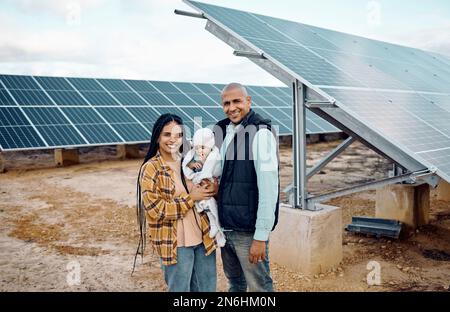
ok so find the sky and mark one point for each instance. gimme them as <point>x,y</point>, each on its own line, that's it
<point>144,39</point>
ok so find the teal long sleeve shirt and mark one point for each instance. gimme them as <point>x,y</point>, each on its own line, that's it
<point>264,149</point>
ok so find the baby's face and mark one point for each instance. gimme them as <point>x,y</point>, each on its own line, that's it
<point>202,151</point>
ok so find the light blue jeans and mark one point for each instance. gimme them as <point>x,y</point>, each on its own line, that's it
<point>194,271</point>
<point>238,270</point>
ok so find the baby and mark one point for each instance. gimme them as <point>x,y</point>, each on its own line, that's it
<point>203,162</point>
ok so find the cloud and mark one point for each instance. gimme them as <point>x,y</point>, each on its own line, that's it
<point>140,39</point>
<point>55,7</point>
<point>146,42</point>
<point>435,39</point>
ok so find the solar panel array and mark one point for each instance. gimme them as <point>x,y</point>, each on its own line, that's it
<point>399,92</point>
<point>50,112</point>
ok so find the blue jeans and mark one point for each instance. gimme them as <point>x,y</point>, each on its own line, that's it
<point>194,271</point>
<point>238,270</point>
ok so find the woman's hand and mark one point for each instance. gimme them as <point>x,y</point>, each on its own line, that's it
<point>199,192</point>
<point>212,186</point>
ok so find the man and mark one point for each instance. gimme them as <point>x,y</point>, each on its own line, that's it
<point>248,193</point>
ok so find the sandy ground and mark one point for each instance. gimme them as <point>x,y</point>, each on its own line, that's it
<point>55,219</point>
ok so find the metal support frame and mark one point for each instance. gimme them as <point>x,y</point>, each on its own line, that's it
<point>250,54</point>
<point>324,106</point>
<point>411,177</point>
<point>319,104</point>
<point>332,155</point>
<point>324,161</point>
<point>299,144</point>
<point>190,14</point>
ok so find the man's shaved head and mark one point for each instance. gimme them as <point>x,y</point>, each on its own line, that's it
<point>235,85</point>
<point>235,102</point>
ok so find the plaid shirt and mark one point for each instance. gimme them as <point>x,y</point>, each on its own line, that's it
<point>164,210</point>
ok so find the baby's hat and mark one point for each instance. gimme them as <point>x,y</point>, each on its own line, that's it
<point>204,136</point>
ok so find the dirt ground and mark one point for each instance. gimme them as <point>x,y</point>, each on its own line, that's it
<point>54,218</point>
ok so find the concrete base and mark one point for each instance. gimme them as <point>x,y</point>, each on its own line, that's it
<point>309,242</point>
<point>66,157</point>
<point>128,151</point>
<point>409,204</point>
<point>442,191</point>
<point>2,163</point>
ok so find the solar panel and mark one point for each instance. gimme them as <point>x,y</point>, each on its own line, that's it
<point>51,112</point>
<point>16,131</point>
<point>400,95</point>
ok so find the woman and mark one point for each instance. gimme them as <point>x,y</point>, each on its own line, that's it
<point>178,233</point>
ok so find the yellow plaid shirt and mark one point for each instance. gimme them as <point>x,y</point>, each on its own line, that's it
<point>164,210</point>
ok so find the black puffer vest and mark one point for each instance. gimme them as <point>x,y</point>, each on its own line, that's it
<point>238,189</point>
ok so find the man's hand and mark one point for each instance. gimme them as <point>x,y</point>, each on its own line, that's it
<point>257,252</point>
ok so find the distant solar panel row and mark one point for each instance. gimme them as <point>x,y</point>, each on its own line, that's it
<point>49,112</point>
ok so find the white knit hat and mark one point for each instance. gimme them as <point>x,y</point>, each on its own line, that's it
<point>205,137</point>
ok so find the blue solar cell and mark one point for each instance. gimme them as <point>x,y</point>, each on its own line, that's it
<point>60,135</point>
<point>129,98</point>
<point>5,98</point>
<point>108,111</point>
<point>155,99</point>
<point>19,82</point>
<point>164,87</point>
<point>202,100</point>
<point>141,85</point>
<point>54,83</point>
<point>70,98</point>
<point>114,85</point>
<point>132,132</point>
<point>180,99</point>
<point>217,112</point>
<point>99,98</point>
<point>12,116</point>
<point>45,116</point>
<point>82,115</point>
<point>298,32</point>
<point>19,137</point>
<point>144,114</point>
<point>186,87</point>
<point>85,84</point>
<point>31,97</point>
<point>208,88</point>
<point>276,91</point>
<point>115,115</point>
<point>99,134</point>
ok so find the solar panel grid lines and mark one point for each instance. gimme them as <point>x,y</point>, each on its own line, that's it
<point>398,93</point>
<point>72,114</point>
<point>314,122</point>
<point>260,48</point>
<point>98,133</point>
<point>16,137</point>
<point>190,121</point>
<point>137,93</point>
<point>367,76</point>
<point>204,113</point>
<point>131,131</point>
<point>405,129</point>
<point>71,135</point>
